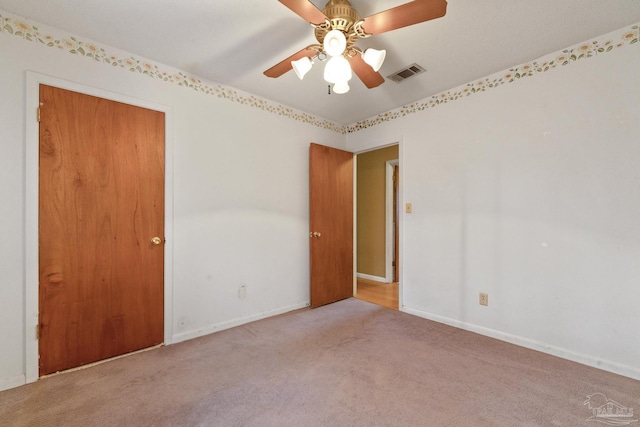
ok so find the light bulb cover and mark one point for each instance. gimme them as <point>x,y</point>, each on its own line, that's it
<point>374,58</point>
<point>334,43</point>
<point>341,87</point>
<point>301,66</point>
<point>337,70</point>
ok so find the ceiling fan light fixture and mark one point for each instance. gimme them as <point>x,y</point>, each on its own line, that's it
<point>341,87</point>
<point>337,70</point>
<point>374,58</point>
<point>334,43</point>
<point>301,66</point>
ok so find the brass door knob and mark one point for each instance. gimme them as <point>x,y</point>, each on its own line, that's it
<point>156,240</point>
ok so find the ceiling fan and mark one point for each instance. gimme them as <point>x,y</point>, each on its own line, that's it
<point>337,28</point>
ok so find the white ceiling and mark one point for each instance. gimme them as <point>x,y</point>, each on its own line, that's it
<point>233,42</point>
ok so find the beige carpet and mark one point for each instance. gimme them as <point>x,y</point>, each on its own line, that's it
<point>351,363</point>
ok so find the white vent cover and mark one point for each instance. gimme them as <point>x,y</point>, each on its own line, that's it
<point>407,72</point>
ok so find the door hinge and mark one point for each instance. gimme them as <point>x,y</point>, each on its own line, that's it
<point>38,331</point>
<point>38,114</point>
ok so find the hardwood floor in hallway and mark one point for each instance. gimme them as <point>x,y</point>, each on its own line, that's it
<point>384,294</point>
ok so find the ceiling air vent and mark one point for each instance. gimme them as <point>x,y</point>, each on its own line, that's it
<point>405,73</point>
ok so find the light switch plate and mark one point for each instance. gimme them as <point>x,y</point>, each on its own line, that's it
<point>408,208</point>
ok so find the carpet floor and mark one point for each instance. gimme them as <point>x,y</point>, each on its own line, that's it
<point>351,363</point>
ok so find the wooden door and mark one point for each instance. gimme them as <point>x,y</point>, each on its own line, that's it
<point>101,178</point>
<point>331,224</point>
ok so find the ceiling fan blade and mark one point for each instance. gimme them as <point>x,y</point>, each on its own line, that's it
<point>411,13</point>
<point>283,66</point>
<point>306,10</point>
<point>364,71</point>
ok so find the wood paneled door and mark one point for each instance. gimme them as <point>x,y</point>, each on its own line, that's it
<point>101,204</point>
<point>331,224</point>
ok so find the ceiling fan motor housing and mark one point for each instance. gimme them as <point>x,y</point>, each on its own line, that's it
<point>342,17</point>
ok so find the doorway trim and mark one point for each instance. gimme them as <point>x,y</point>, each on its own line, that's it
<point>376,146</point>
<point>33,81</point>
<point>389,229</point>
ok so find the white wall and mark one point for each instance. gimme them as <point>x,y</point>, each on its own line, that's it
<point>530,192</point>
<point>240,198</point>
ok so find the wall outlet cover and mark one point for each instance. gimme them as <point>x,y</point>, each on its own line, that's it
<point>484,299</point>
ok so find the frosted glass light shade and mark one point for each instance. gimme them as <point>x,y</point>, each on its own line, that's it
<point>337,70</point>
<point>301,66</point>
<point>341,87</point>
<point>334,43</point>
<point>374,57</point>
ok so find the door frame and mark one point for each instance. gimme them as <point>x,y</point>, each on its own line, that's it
<point>389,229</point>
<point>33,81</point>
<point>377,146</point>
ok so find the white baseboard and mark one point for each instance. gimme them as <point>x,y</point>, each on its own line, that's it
<point>184,336</point>
<point>12,382</point>
<point>370,277</point>
<point>605,365</point>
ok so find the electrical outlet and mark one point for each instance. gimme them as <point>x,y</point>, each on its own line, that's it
<point>484,299</point>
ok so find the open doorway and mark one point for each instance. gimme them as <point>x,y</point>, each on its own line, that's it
<point>377,268</point>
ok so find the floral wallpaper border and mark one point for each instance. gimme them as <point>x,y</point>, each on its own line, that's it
<point>28,31</point>
<point>31,32</point>
<point>546,63</point>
